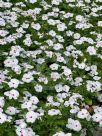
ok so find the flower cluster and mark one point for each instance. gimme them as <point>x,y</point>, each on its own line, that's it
<point>50,67</point>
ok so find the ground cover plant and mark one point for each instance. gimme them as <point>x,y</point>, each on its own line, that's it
<point>50,67</point>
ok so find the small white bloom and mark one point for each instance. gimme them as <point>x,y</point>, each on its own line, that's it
<point>3,118</point>
<point>14,93</point>
<point>13,83</point>
<point>36,26</point>
<point>74,125</point>
<point>53,112</point>
<point>62,134</point>
<point>2,77</point>
<point>31,116</point>
<point>58,88</point>
<point>58,46</point>
<point>99,23</point>
<point>15,50</point>
<point>3,33</point>
<point>79,18</point>
<point>34,99</point>
<point>10,62</point>
<point>66,88</point>
<point>52,33</point>
<point>54,66</point>
<point>51,22</point>
<point>87,1</point>
<point>83,114</point>
<point>67,71</point>
<point>32,1</point>
<point>91,50</point>
<point>2,102</point>
<point>97,117</point>
<point>81,66</point>
<point>55,76</point>
<point>76,36</point>
<point>61,27</point>
<point>100,97</point>
<point>56,2</point>
<point>93,86</point>
<point>38,88</point>
<point>11,110</point>
<point>27,77</point>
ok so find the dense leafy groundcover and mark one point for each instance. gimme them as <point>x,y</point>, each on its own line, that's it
<point>50,67</point>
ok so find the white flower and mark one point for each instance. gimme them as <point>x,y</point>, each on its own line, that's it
<point>78,81</point>
<point>11,62</point>
<point>60,38</point>
<point>58,88</point>
<point>99,23</point>
<point>21,131</point>
<point>11,110</point>
<point>27,41</point>
<point>51,22</point>
<point>15,50</point>
<point>56,2</point>
<point>12,94</point>
<point>3,118</point>
<point>50,99</point>
<point>55,76</point>
<point>52,33</point>
<point>36,26</point>
<point>54,66</point>
<point>13,83</point>
<point>83,114</point>
<point>79,18</point>
<point>34,99</point>
<point>44,17</point>
<point>67,71</point>
<point>2,102</point>
<point>3,33</point>
<point>100,97</point>
<point>91,50</point>
<point>61,27</point>
<point>43,79</point>
<point>26,105</point>
<point>31,116</point>
<point>53,112</point>
<point>49,54</point>
<point>93,86</point>
<point>23,125</point>
<point>40,60</point>
<point>32,1</point>
<point>38,88</point>
<point>87,1</point>
<point>30,132</point>
<point>70,0</point>
<point>78,42</point>
<point>74,125</point>
<point>75,109</point>
<point>58,46</point>
<point>62,134</point>
<point>2,22</point>
<point>60,59</point>
<point>97,109</point>
<point>2,77</point>
<point>81,66</point>
<point>97,117</point>
<point>16,69</point>
<point>27,77</point>
<point>76,36</point>
<point>66,88</point>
